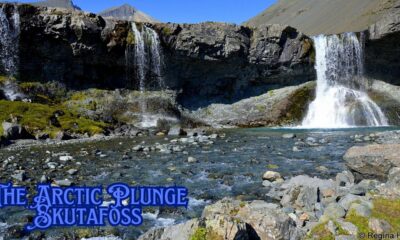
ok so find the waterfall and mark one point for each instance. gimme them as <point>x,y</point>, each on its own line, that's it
<point>340,100</point>
<point>9,51</point>
<point>148,65</point>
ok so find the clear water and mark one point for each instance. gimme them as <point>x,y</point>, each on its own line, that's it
<point>233,166</point>
<point>340,100</point>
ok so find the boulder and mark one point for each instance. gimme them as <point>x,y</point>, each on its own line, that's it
<point>14,131</point>
<point>181,231</point>
<point>372,161</point>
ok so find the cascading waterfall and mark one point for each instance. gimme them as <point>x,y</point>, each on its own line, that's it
<point>9,39</point>
<point>148,62</point>
<point>340,100</point>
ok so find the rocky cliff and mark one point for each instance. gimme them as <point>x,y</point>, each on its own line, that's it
<point>208,62</point>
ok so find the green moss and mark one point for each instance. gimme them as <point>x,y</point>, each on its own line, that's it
<point>388,210</point>
<point>321,232</point>
<point>199,234</point>
<point>166,31</point>
<point>298,104</point>
<point>260,108</point>
<point>203,233</point>
<point>130,39</point>
<point>36,118</point>
<point>46,93</point>
<point>360,222</point>
<point>385,209</point>
<point>3,79</point>
<point>272,166</point>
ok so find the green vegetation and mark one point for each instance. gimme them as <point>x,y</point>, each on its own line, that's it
<point>199,234</point>
<point>203,233</point>
<point>299,101</point>
<point>37,117</point>
<point>166,31</point>
<point>384,209</point>
<point>130,39</point>
<point>321,232</point>
<point>272,166</point>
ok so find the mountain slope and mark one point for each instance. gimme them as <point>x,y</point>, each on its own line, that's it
<point>127,12</point>
<point>67,4</point>
<point>324,16</point>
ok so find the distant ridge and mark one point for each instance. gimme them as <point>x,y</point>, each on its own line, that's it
<point>67,4</point>
<point>128,13</point>
<point>324,16</point>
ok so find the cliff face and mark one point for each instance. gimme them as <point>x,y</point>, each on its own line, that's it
<point>208,62</point>
<point>383,47</point>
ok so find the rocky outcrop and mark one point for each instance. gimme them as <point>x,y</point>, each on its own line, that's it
<point>67,4</point>
<point>283,106</point>
<point>223,63</point>
<point>387,96</point>
<point>206,63</point>
<point>382,49</point>
<point>373,161</point>
<point>233,219</point>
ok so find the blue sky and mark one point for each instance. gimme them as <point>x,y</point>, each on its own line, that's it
<point>189,11</point>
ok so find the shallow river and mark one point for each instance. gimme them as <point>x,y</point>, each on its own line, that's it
<point>232,166</point>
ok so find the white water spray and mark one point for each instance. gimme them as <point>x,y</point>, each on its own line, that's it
<point>9,51</point>
<point>340,100</point>
<point>148,63</point>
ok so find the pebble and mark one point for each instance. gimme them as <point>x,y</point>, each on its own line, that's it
<point>192,160</point>
<point>66,158</point>
<point>72,171</point>
<point>63,183</point>
<point>289,135</point>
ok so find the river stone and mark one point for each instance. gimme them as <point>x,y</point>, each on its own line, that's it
<point>176,131</point>
<point>347,226</point>
<point>379,226</point>
<point>271,176</point>
<point>289,135</point>
<point>192,160</point>
<point>347,200</point>
<point>19,175</point>
<point>63,183</point>
<point>229,218</point>
<point>333,211</point>
<point>181,231</point>
<point>361,209</point>
<point>373,161</point>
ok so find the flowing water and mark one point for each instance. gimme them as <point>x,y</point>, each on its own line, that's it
<point>231,167</point>
<point>9,51</point>
<point>148,63</point>
<point>340,100</point>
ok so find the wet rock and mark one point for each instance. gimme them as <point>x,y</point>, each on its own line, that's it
<point>271,176</point>
<point>72,171</point>
<point>289,135</point>
<point>373,161</point>
<point>19,175</point>
<point>66,158</point>
<point>379,226</point>
<point>63,183</point>
<point>192,160</point>
<point>13,131</point>
<point>176,131</point>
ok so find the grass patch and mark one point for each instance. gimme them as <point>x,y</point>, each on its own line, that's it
<point>203,233</point>
<point>384,209</point>
<point>321,232</point>
<point>37,117</point>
